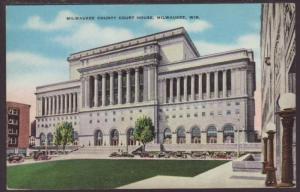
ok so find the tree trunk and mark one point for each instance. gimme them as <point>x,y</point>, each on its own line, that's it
<point>144,147</point>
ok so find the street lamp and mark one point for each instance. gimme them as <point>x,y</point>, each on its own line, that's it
<point>265,151</point>
<point>270,169</point>
<point>287,104</point>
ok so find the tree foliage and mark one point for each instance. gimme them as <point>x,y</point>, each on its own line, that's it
<point>144,130</point>
<point>63,134</point>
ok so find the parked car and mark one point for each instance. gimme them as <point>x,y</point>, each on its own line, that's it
<point>16,158</point>
<point>41,156</point>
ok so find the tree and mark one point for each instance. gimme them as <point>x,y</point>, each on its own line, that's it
<point>64,134</point>
<point>144,130</point>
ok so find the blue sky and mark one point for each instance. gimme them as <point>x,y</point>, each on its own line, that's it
<point>39,38</point>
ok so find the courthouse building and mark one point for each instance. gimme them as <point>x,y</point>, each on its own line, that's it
<point>278,50</point>
<point>190,98</point>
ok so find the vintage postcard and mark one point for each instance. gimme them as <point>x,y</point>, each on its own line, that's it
<point>150,96</point>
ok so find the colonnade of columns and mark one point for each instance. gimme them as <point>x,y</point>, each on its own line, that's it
<point>58,104</point>
<point>118,87</point>
<point>208,85</point>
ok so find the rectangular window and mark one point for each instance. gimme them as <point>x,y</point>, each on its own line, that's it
<point>203,114</point>
<point>228,112</point>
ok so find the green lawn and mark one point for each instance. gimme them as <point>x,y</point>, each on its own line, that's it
<point>97,174</point>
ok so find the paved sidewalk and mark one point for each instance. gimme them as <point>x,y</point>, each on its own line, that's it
<point>219,177</point>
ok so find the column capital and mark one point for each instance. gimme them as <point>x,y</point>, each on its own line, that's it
<point>128,70</point>
<point>120,72</point>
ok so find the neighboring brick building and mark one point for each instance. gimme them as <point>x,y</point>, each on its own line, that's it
<point>17,127</point>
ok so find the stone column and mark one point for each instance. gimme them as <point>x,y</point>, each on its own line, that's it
<point>57,104</point>
<point>96,91</point>
<point>171,90</point>
<point>224,83</point>
<point>185,88</point>
<point>216,85</point>
<point>111,88</point>
<point>233,82</point>
<point>149,83</point>
<point>51,105</point>
<point>128,86</point>
<point>87,92</point>
<point>193,87</point>
<point>66,106</point>
<point>136,96</point>
<point>243,83</point>
<point>77,102</point>
<point>155,82</point>
<point>208,85</point>
<point>83,92</point>
<point>70,102</point>
<point>74,102</point>
<point>103,76</point>
<point>164,90</point>
<point>119,87</point>
<point>178,89</point>
<point>60,104</point>
<point>200,86</point>
<point>46,105</point>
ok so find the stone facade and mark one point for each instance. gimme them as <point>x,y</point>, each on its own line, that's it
<point>17,126</point>
<point>190,98</point>
<point>278,49</point>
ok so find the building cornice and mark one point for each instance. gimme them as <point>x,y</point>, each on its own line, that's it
<point>133,42</point>
<point>155,56</point>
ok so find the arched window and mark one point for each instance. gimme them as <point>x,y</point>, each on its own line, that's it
<point>114,137</point>
<point>130,137</point>
<point>49,139</point>
<point>195,135</point>
<point>180,136</point>
<point>211,134</point>
<point>228,134</point>
<point>167,136</point>
<point>42,139</point>
<point>98,138</point>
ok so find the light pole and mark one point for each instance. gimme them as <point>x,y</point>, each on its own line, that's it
<point>287,113</point>
<point>265,151</point>
<point>270,169</point>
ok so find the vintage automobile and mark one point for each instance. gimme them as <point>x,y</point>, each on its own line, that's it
<point>15,158</point>
<point>40,156</point>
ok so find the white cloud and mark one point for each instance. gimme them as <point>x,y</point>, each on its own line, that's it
<point>248,41</point>
<point>60,22</point>
<point>91,35</point>
<point>190,25</point>
<point>30,59</point>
